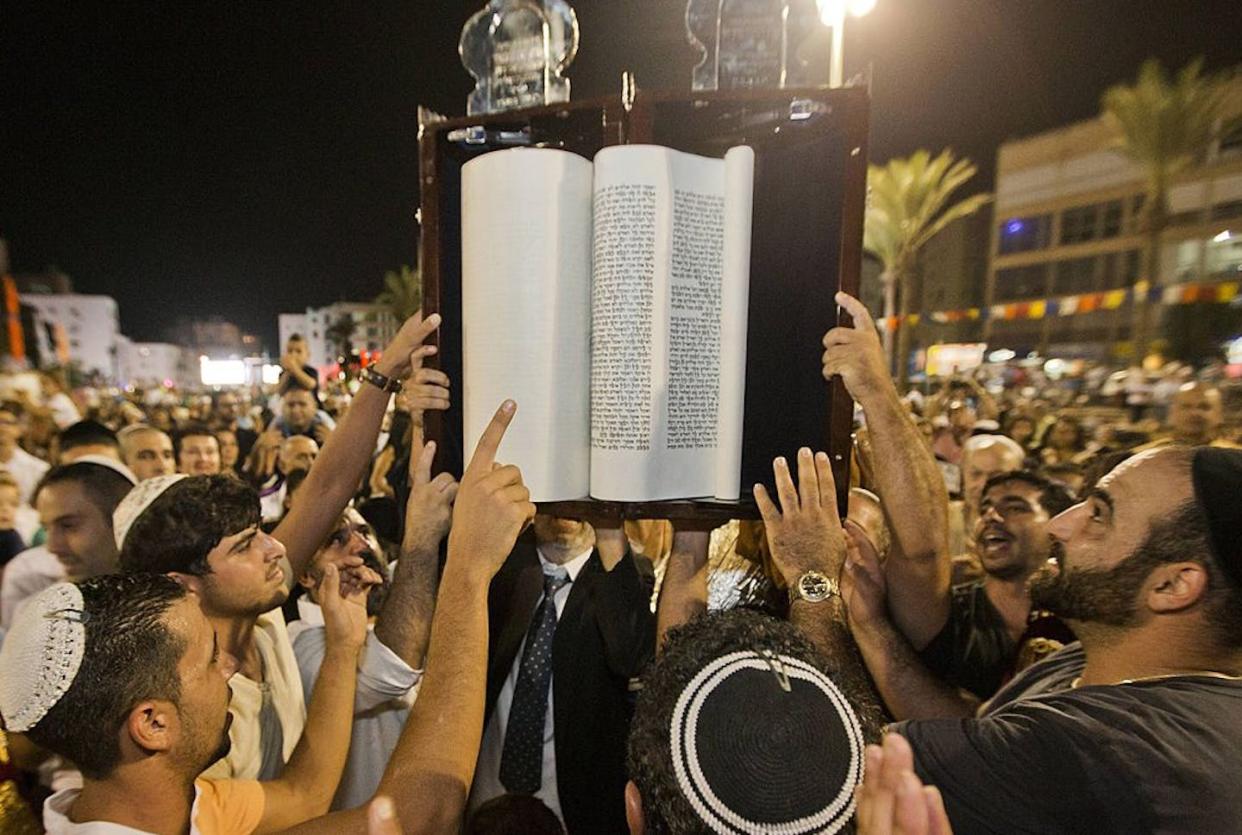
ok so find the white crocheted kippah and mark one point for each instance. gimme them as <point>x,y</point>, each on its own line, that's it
<point>41,655</point>
<point>138,500</point>
<point>111,463</point>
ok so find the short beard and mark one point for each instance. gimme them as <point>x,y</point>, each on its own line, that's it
<point>1107,596</point>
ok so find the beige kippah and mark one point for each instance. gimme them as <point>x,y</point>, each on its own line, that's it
<point>41,655</point>
<point>138,500</point>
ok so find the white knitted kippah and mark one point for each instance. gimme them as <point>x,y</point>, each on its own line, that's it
<point>41,655</point>
<point>138,500</point>
<point>111,463</point>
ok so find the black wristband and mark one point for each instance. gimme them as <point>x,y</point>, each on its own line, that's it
<point>388,384</point>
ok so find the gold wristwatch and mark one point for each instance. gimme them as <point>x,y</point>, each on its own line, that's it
<point>813,587</point>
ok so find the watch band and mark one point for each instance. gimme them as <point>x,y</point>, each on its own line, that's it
<point>380,381</point>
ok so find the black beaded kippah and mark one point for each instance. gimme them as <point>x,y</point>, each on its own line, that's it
<point>1217,475</point>
<point>766,743</point>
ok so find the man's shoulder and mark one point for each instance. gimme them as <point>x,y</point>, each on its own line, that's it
<point>227,807</point>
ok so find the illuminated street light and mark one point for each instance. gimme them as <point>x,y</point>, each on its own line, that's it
<point>832,13</point>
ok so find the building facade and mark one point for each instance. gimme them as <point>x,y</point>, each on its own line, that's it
<point>79,329</point>
<point>151,364</point>
<point>340,330</point>
<point>1067,228</point>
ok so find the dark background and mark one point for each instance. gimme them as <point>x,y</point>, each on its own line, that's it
<point>248,158</point>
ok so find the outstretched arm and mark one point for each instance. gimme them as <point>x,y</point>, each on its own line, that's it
<point>428,777</point>
<point>308,782</point>
<point>404,625</point>
<point>915,501</point>
<point>683,594</point>
<point>339,469</point>
<point>805,534</point>
<point>909,689</point>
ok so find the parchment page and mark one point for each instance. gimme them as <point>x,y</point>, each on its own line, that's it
<point>734,308</point>
<point>526,316</point>
<point>656,318</point>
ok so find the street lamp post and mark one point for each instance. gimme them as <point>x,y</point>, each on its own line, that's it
<point>832,14</point>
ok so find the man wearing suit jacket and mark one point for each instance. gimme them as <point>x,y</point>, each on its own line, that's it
<point>570,626</point>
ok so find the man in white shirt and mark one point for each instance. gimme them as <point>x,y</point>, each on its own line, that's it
<point>25,468</point>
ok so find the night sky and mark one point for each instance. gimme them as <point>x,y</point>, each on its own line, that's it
<point>248,158</point>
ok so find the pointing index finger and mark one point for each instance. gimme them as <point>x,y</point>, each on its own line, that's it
<point>857,310</point>
<point>489,442</point>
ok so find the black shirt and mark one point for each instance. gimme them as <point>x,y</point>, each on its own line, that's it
<point>974,650</point>
<point>1162,755</point>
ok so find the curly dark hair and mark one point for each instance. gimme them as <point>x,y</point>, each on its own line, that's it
<point>688,650</point>
<point>179,529</point>
<point>130,655</point>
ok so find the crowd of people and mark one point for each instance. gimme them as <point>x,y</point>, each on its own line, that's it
<point>263,610</point>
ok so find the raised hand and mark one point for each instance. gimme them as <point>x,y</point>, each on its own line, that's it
<point>492,506</point>
<point>891,798</point>
<point>345,606</point>
<point>862,584</point>
<point>855,354</point>
<point>804,531</point>
<point>395,361</point>
<point>429,509</point>
<point>426,388</point>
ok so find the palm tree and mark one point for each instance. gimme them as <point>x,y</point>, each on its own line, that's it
<point>907,204</point>
<point>1164,125</point>
<point>403,292</point>
<point>340,334</point>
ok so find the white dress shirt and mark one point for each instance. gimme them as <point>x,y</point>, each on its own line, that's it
<point>487,783</point>
<point>387,687</point>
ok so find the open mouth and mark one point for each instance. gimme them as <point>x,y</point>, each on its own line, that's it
<point>995,538</point>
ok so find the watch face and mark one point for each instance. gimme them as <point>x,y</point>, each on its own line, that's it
<point>814,586</point>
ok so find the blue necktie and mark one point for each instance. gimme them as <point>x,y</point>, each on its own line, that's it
<point>521,758</point>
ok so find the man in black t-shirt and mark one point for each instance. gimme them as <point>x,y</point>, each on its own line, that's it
<point>1137,729</point>
<point>977,649</point>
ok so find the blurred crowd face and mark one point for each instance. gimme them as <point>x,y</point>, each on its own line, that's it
<point>1022,430</point>
<point>1011,533</point>
<point>199,455</point>
<point>149,453</point>
<point>352,538</point>
<point>227,408</point>
<point>961,417</point>
<point>229,450</point>
<point>298,452</point>
<point>298,408</point>
<point>1063,435</point>
<point>10,500</point>
<point>979,463</point>
<point>78,533</point>
<point>10,429</point>
<point>1195,415</point>
<point>297,351</point>
<point>556,530</point>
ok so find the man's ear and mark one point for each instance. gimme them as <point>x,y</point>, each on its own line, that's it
<point>153,726</point>
<point>190,582</point>
<point>634,809</point>
<point>1176,586</point>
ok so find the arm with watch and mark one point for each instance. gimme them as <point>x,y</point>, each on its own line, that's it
<point>341,464</point>
<point>808,548</point>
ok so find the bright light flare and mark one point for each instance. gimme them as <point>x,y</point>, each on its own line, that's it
<point>831,11</point>
<point>222,372</point>
<point>1222,237</point>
